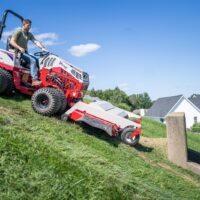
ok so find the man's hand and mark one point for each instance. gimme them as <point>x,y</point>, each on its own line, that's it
<point>22,50</point>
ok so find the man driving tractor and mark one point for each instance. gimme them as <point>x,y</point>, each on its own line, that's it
<point>19,41</point>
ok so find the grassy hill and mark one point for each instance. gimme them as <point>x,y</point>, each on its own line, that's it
<point>45,158</point>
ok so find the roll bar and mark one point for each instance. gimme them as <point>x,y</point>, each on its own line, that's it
<point>3,21</point>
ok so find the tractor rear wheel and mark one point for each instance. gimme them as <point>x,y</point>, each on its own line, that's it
<point>10,84</point>
<point>3,83</point>
<point>127,139</point>
<point>6,82</point>
<point>46,101</point>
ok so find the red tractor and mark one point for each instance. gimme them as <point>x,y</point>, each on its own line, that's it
<point>62,84</point>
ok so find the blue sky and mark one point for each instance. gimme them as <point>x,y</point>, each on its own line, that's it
<point>139,45</point>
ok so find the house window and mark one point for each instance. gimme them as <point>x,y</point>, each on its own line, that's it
<point>195,119</point>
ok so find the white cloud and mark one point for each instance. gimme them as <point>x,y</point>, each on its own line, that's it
<point>46,36</point>
<point>47,39</point>
<point>83,49</point>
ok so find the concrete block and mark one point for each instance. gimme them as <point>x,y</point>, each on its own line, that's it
<point>176,139</point>
<point>194,167</point>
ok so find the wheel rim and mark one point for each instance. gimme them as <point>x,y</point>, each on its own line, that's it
<point>43,101</point>
<point>129,139</point>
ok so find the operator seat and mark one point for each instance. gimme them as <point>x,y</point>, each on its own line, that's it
<point>9,47</point>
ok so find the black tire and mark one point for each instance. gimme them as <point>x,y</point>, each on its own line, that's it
<point>63,102</point>
<point>46,101</point>
<point>3,82</point>
<point>9,83</point>
<point>125,136</point>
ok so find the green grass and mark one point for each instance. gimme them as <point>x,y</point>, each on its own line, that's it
<point>153,129</point>
<point>44,158</point>
<point>193,140</point>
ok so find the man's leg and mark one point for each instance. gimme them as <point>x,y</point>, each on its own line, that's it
<point>33,68</point>
<point>33,65</point>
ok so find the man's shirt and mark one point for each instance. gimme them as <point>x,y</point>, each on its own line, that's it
<point>22,37</point>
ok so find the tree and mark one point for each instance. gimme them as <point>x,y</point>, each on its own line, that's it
<point>140,101</point>
<point>115,96</point>
<point>92,92</point>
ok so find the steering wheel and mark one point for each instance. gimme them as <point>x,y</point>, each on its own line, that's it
<point>41,53</point>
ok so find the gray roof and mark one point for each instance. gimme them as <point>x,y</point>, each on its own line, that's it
<point>162,106</point>
<point>195,99</point>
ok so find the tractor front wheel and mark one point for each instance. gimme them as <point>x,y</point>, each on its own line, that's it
<point>63,102</point>
<point>46,101</point>
<point>127,139</point>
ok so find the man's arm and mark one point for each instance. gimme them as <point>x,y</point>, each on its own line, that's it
<point>39,44</point>
<point>15,45</point>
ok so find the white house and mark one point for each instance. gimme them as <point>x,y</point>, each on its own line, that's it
<point>163,106</point>
<point>140,111</point>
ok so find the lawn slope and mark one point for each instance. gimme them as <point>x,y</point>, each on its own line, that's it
<point>45,158</point>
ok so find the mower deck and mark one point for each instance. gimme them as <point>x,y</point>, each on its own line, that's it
<point>99,118</point>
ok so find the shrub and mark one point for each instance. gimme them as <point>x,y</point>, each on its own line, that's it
<point>196,127</point>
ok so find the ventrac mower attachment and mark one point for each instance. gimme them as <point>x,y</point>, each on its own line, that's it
<point>111,124</point>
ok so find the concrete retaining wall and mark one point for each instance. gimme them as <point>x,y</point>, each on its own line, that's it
<point>177,142</point>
